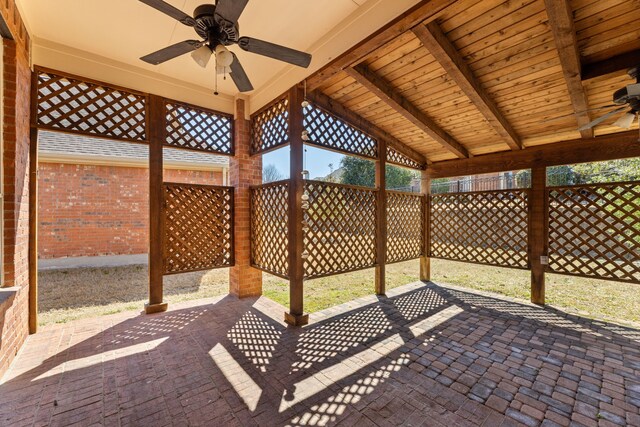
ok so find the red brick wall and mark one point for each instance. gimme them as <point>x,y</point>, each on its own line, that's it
<point>14,311</point>
<point>88,210</point>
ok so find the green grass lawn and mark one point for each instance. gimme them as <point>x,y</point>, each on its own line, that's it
<point>72,294</point>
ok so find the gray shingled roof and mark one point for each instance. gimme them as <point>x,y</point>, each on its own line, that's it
<point>61,143</point>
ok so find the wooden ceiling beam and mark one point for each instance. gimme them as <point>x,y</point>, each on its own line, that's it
<point>436,42</point>
<point>323,101</point>
<point>618,64</point>
<point>607,147</point>
<point>564,33</point>
<point>393,99</point>
<point>424,11</point>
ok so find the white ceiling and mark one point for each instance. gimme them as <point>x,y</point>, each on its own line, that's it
<point>112,35</point>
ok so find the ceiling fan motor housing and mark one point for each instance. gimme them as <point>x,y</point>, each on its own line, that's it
<point>215,32</point>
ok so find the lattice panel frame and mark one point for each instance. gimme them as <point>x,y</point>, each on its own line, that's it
<point>270,228</point>
<point>405,226</point>
<point>594,230</point>
<point>198,227</point>
<point>77,105</point>
<point>195,128</point>
<point>270,127</point>
<point>328,131</point>
<point>397,158</point>
<point>485,227</point>
<point>340,229</point>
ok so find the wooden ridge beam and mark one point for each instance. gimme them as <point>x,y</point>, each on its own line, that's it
<point>424,11</point>
<point>564,33</point>
<point>393,99</point>
<point>618,64</point>
<point>436,42</point>
<point>349,116</point>
<point>607,147</point>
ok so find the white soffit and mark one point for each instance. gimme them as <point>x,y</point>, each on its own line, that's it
<point>104,41</point>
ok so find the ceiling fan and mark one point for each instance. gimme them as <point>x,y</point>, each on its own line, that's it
<point>626,98</point>
<point>217,26</point>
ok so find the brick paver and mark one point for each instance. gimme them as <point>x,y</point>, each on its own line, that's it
<point>425,355</point>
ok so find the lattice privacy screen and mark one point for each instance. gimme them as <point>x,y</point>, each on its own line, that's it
<point>484,227</point>
<point>270,228</point>
<point>405,226</point>
<point>398,158</point>
<point>341,229</point>
<point>90,108</point>
<point>198,129</point>
<point>326,130</point>
<point>270,127</point>
<point>594,230</point>
<point>198,227</point>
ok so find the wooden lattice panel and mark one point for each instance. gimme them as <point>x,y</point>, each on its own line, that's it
<point>489,227</point>
<point>405,226</point>
<point>72,105</point>
<point>270,228</point>
<point>198,129</point>
<point>270,127</point>
<point>340,226</point>
<point>326,130</point>
<point>198,227</point>
<point>398,158</point>
<point>594,230</point>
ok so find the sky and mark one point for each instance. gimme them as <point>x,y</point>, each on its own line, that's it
<point>316,162</point>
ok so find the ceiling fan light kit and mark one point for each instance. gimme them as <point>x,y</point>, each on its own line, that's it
<point>217,25</point>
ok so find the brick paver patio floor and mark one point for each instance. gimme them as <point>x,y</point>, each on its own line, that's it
<point>425,355</point>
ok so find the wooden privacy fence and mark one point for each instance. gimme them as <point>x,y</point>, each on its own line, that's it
<point>405,226</point>
<point>198,225</point>
<point>270,228</point>
<point>594,230</point>
<point>487,227</point>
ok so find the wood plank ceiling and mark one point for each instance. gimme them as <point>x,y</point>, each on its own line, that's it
<point>485,76</point>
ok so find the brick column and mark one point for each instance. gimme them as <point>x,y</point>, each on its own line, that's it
<point>244,171</point>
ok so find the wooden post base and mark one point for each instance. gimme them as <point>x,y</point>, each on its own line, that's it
<point>296,319</point>
<point>155,308</point>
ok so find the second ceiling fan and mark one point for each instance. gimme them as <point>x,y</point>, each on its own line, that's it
<point>217,25</point>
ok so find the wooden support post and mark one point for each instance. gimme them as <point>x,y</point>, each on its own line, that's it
<point>381,218</point>
<point>425,261</point>
<point>537,233</point>
<point>155,132</point>
<point>33,231</point>
<point>296,315</point>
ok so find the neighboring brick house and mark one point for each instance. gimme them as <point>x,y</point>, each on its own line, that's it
<point>93,193</point>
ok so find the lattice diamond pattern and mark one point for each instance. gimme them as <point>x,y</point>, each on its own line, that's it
<point>270,228</point>
<point>594,230</point>
<point>198,224</point>
<point>398,158</point>
<point>405,226</point>
<point>72,105</point>
<point>270,127</point>
<point>329,131</point>
<point>484,227</point>
<point>341,229</point>
<point>198,129</point>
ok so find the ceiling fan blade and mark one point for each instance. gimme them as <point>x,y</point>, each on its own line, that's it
<point>553,119</point>
<point>173,12</point>
<point>172,51</point>
<point>239,76</point>
<point>601,119</point>
<point>292,56</point>
<point>230,10</point>
<point>626,120</point>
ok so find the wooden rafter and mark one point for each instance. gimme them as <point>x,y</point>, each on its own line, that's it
<point>356,120</point>
<point>391,97</point>
<point>424,11</point>
<point>436,42</point>
<point>617,64</point>
<point>563,28</point>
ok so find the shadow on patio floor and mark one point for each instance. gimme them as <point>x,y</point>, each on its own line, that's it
<point>427,355</point>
